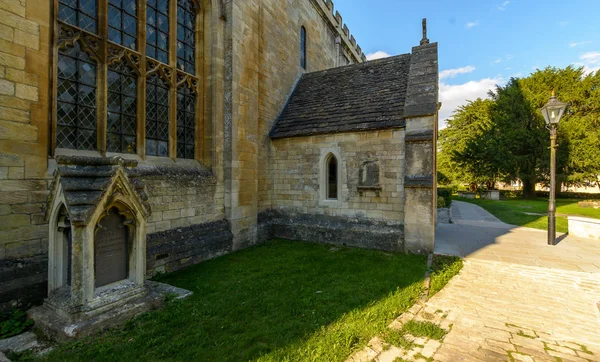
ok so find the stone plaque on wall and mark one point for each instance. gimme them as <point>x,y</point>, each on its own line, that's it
<point>369,174</point>
<point>110,250</point>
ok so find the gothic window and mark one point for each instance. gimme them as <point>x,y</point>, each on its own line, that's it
<point>157,30</point>
<point>122,22</point>
<point>332,178</point>
<point>186,112</point>
<point>303,47</point>
<point>76,100</point>
<point>122,109</point>
<point>186,36</point>
<point>122,90</point>
<point>157,117</point>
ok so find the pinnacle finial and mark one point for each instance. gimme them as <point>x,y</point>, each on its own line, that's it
<point>424,41</point>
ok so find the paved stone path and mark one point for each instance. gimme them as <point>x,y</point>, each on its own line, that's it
<point>516,299</point>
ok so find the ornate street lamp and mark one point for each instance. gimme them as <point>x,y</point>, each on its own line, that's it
<point>552,112</point>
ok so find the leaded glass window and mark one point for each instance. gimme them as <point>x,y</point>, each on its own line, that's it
<point>122,22</point>
<point>303,47</point>
<point>122,109</point>
<point>186,36</point>
<point>157,30</point>
<point>157,117</point>
<point>76,103</point>
<point>80,13</point>
<point>186,115</point>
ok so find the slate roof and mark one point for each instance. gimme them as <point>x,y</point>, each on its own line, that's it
<point>85,180</point>
<point>365,96</point>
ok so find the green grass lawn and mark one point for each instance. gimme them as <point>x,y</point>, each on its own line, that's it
<point>512,211</point>
<point>281,301</point>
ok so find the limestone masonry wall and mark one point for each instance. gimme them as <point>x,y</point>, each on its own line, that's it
<point>265,66</point>
<point>298,182</point>
<point>24,59</point>
<point>297,167</point>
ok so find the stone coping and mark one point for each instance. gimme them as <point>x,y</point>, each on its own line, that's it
<point>584,219</point>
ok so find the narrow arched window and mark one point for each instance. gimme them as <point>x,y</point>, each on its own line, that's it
<point>303,47</point>
<point>332,178</point>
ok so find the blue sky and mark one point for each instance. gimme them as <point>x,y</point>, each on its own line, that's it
<point>481,42</point>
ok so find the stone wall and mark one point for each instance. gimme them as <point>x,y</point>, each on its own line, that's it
<point>265,66</point>
<point>24,57</point>
<point>297,181</point>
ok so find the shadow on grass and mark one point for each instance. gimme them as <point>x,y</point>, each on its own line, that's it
<point>280,300</point>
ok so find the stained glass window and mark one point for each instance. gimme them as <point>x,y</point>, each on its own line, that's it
<point>303,47</point>
<point>122,22</point>
<point>157,117</point>
<point>80,13</point>
<point>76,103</point>
<point>157,30</point>
<point>122,109</point>
<point>186,114</point>
<point>186,36</point>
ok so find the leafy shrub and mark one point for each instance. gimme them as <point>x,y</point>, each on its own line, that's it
<point>441,202</point>
<point>446,194</point>
<point>13,323</point>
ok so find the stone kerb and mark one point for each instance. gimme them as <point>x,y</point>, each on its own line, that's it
<point>584,227</point>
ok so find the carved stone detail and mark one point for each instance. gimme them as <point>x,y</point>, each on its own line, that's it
<point>187,80</point>
<point>162,70</point>
<point>68,35</point>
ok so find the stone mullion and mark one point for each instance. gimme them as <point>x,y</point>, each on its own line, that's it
<point>54,81</point>
<point>198,72</point>
<point>141,83</point>
<point>173,89</point>
<point>102,71</point>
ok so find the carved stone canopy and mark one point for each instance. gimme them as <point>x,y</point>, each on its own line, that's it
<point>86,182</point>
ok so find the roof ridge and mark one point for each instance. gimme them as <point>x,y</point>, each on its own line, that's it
<point>363,64</point>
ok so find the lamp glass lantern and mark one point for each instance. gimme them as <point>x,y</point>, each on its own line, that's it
<point>553,111</point>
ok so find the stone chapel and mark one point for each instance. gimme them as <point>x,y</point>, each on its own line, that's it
<point>142,136</point>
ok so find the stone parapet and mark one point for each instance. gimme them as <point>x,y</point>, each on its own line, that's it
<point>334,19</point>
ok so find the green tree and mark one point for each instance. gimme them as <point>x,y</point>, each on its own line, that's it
<point>467,150</point>
<point>579,130</point>
<point>519,131</point>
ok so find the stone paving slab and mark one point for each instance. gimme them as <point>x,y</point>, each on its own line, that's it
<point>475,233</point>
<point>512,312</point>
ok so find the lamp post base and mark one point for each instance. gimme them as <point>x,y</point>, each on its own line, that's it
<point>551,229</point>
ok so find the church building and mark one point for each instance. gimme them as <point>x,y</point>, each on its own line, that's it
<point>140,137</point>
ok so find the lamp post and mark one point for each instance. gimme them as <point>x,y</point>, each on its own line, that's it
<point>552,112</point>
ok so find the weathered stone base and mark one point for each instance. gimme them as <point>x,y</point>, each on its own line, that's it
<point>23,281</point>
<point>362,233</point>
<point>61,328</point>
<point>175,249</point>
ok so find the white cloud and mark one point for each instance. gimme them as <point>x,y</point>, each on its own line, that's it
<point>590,62</point>
<point>454,96</point>
<point>471,24</point>
<point>574,44</point>
<point>451,73</point>
<point>563,24</point>
<point>378,55</point>
<point>503,6</point>
<point>497,61</point>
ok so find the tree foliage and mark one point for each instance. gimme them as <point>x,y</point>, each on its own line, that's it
<point>505,138</point>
